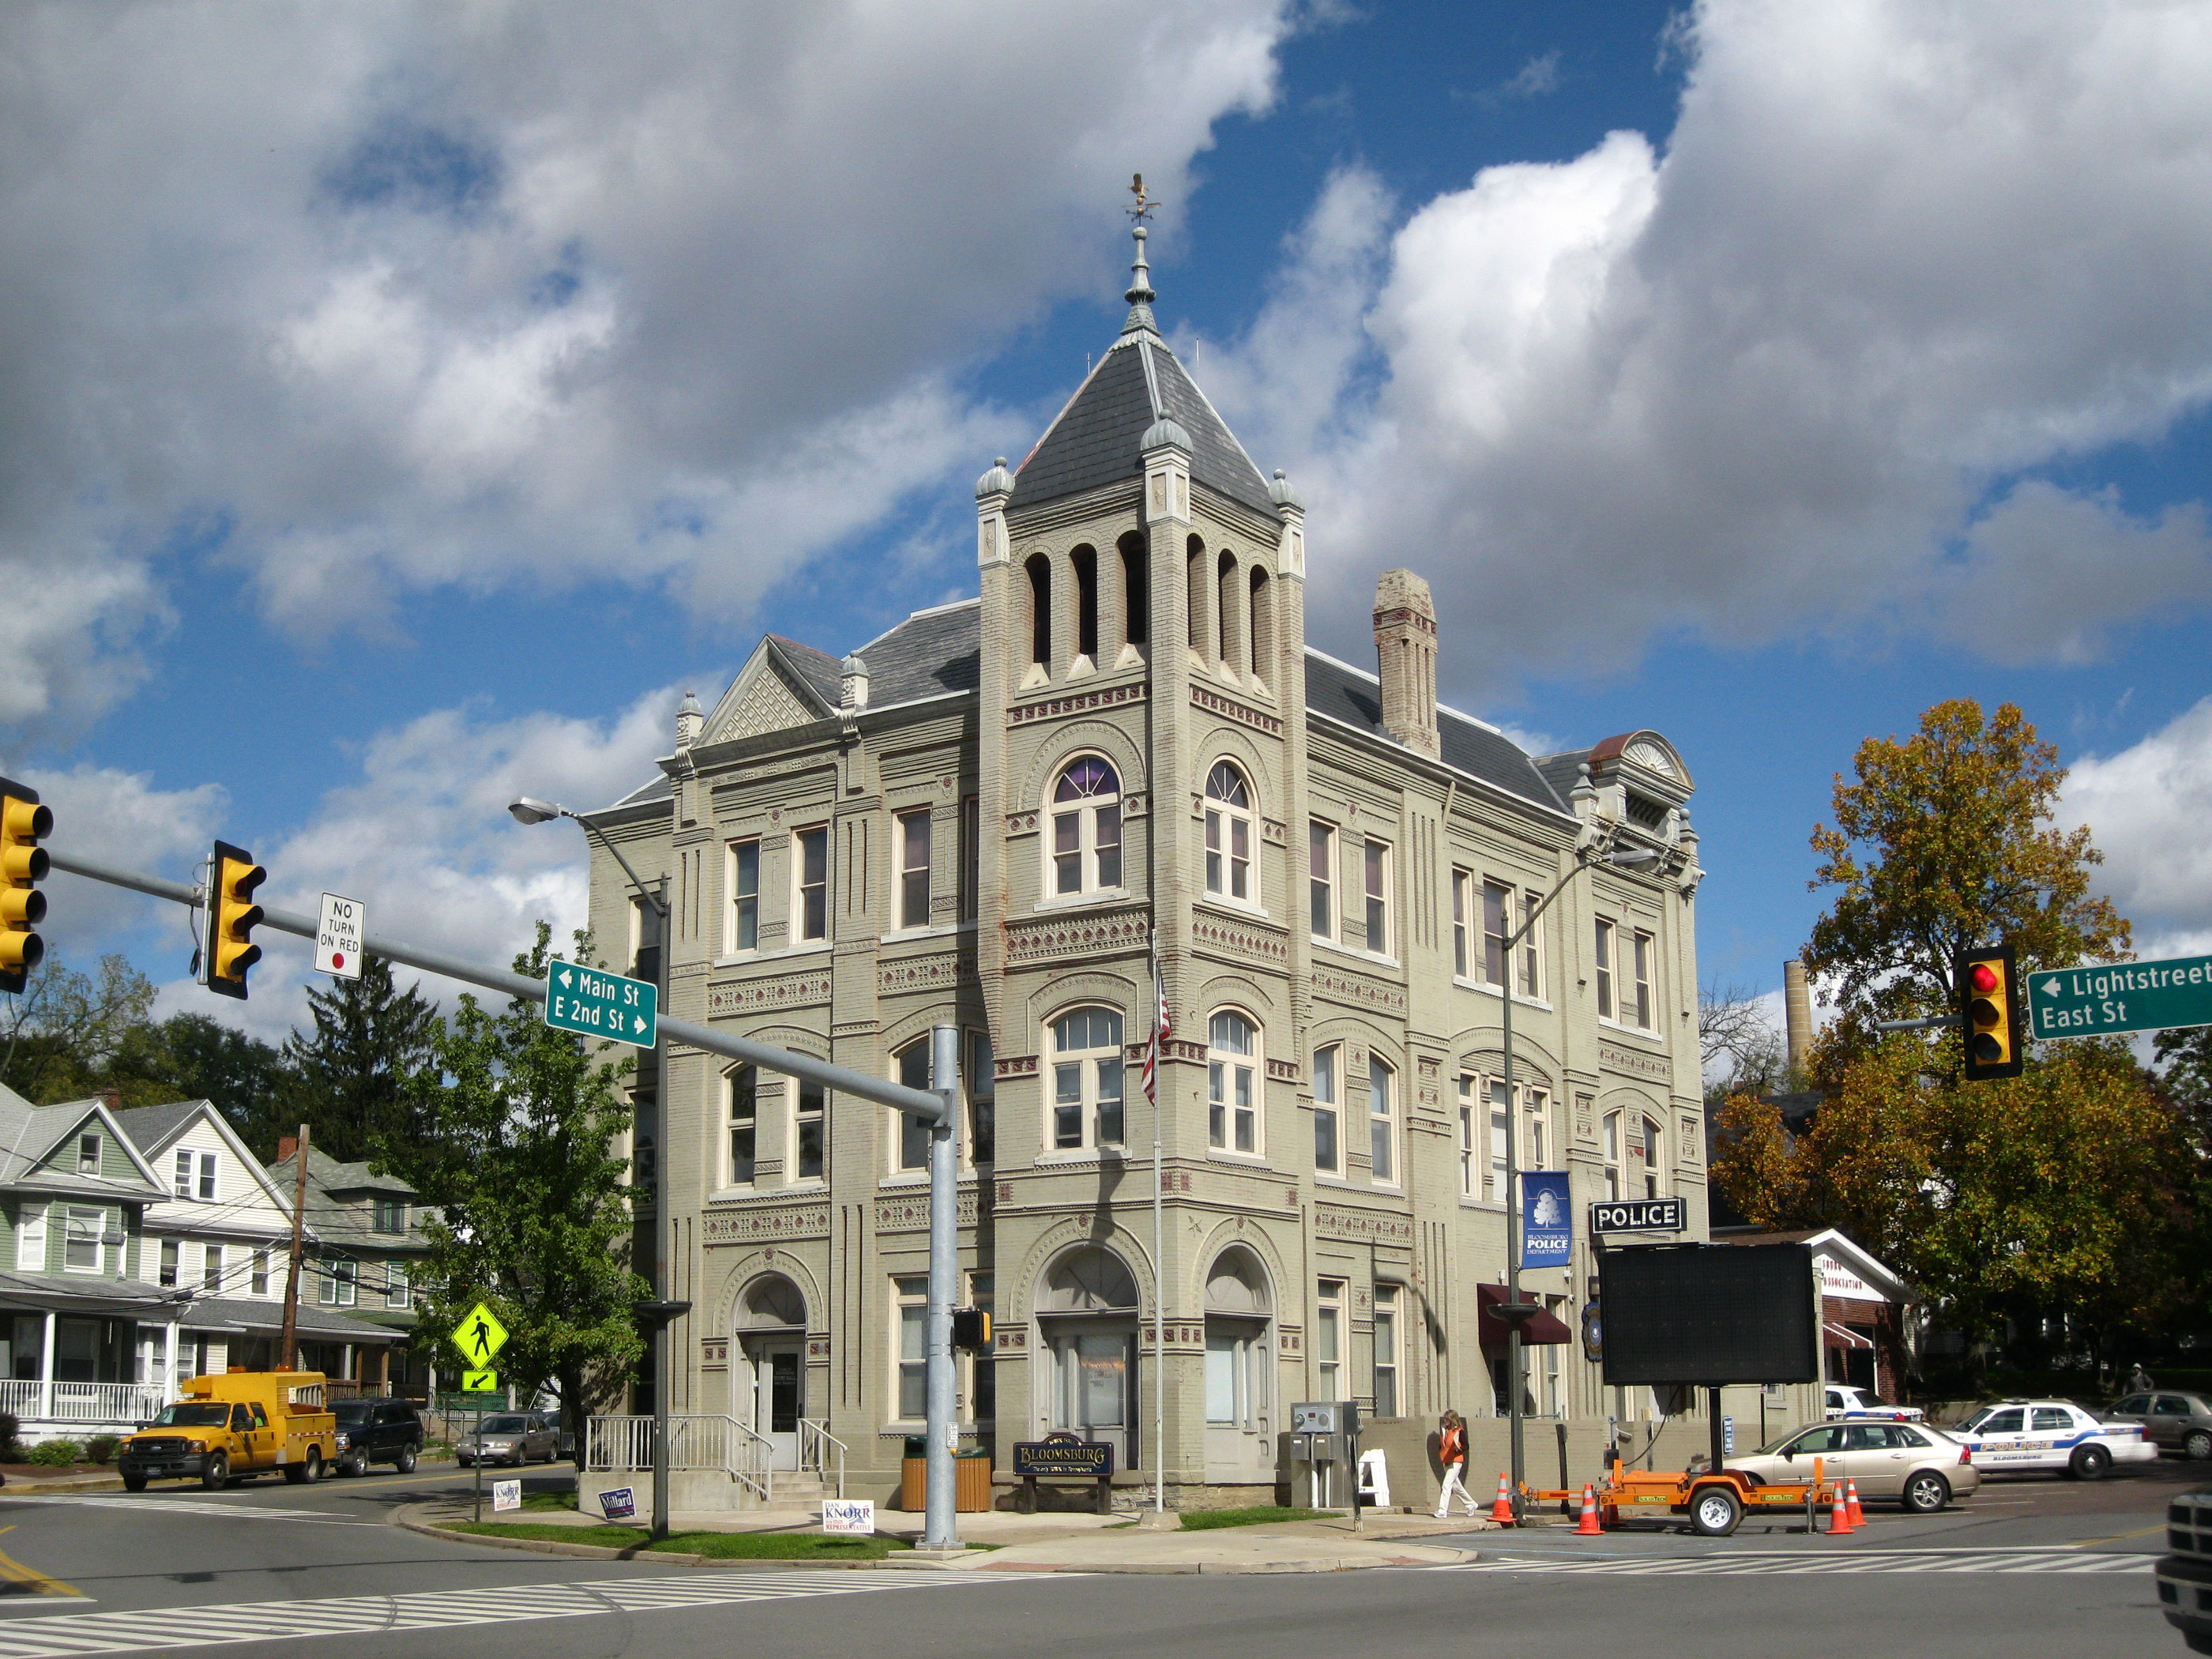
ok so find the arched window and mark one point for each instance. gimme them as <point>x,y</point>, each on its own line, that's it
<point>1382,1120</point>
<point>1232,1082</point>
<point>1086,828</point>
<point>1197,600</point>
<point>1040,571</point>
<point>1085,562</point>
<point>1228,834</point>
<point>1090,1279</point>
<point>1136,590</point>
<point>1232,616</point>
<point>1086,1080</point>
<point>1262,626</point>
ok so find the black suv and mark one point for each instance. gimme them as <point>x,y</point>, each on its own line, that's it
<point>376,1431</point>
<point>2184,1577</point>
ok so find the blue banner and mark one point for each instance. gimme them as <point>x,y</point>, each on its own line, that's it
<point>1547,1231</point>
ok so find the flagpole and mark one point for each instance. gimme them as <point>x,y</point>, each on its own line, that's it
<point>1159,1262</point>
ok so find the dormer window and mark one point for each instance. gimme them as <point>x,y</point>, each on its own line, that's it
<point>88,1155</point>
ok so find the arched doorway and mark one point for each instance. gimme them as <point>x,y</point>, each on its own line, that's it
<point>771,1386</point>
<point>1240,1369</point>
<point>1086,1315</point>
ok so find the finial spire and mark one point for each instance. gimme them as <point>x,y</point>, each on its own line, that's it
<point>1140,295</point>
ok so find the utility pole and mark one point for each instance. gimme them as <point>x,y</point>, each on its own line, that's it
<point>289,1358</point>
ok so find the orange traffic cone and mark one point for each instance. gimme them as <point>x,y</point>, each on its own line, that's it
<point>1858,1515</point>
<point>1502,1511</point>
<point>1839,1514</point>
<point>1589,1527</point>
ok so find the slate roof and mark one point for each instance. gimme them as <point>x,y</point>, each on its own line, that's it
<point>1095,441</point>
<point>931,653</point>
<point>1345,694</point>
<point>822,672</point>
<point>150,1126</point>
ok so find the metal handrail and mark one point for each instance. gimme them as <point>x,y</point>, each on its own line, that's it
<point>625,1444</point>
<point>818,1433</point>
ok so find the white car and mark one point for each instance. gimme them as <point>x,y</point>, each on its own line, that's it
<point>1846,1401</point>
<point>2052,1434</point>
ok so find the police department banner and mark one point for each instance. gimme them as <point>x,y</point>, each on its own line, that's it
<point>1547,1232</point>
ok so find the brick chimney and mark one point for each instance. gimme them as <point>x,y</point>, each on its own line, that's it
<point>1406,643</point>
<point>286,1145</point>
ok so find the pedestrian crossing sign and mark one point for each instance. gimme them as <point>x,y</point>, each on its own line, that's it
<point>480,1335</point>
<point>479,1381</point>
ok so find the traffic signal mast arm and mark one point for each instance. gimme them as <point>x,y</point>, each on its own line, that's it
<point>922,1103</point>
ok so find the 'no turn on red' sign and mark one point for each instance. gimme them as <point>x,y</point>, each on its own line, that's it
<point>338,936</point>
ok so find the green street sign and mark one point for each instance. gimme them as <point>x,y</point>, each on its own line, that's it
<point>480,1335</point>
<point>2130,996</point>
<point>591,1003</point>
<point>479,1381</point>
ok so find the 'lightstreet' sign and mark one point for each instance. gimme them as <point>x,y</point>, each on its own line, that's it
<point>2130,996</point>
<point>602,1005</point>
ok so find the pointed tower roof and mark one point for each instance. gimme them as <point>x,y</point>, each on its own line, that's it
<point>1099,438</point>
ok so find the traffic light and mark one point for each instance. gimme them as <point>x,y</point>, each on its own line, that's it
<point>231,917</point>
<point>1988,1012</point>
<point>971,1330</point>
<point>23,825</point>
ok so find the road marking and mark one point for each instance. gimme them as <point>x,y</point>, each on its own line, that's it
<point>188,1506</point>
<point>2119,1537</point>
<point>53,1635</point>
<point>32,1579</point>
<point>1749,1563</point>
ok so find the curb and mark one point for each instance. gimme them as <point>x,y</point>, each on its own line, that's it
<point>639,1552</point>
<point>1224,1569</point>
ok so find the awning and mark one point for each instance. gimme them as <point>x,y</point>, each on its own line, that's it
<point>1492,1331</point>
<point>1844,1336</point>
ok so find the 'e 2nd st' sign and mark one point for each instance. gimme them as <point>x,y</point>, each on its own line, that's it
<point>592,1003</point>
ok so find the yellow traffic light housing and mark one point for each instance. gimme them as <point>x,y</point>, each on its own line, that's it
<point>23,863</point>
<point>232,916</point>
<point>971,1330</point>
<point>1988,1012</point>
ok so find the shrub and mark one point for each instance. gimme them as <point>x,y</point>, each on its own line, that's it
<point>56,1454</point>
<point>101,1447</point>
<point>10,1449</point>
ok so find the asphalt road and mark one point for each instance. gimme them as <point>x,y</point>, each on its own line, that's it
<point>2031,1567</point>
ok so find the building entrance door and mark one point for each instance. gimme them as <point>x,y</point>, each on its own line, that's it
<point>1239,1445</point>
<point>778,1397</point>
<point>1094,1374</point>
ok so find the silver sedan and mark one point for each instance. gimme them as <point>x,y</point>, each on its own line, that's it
<point>1909,1463</point>
<point>516,1438</point>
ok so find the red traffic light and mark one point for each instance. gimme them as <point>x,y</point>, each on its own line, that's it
<point>1985,979</point>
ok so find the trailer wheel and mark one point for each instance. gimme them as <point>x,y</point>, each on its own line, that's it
<point>1715,1512</point>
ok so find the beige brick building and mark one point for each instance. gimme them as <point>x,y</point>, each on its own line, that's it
<point>994,813</point>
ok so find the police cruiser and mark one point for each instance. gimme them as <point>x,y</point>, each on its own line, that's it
<point>2051,1434</point>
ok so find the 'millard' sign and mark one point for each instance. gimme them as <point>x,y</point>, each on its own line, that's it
<point>1064,1454</point>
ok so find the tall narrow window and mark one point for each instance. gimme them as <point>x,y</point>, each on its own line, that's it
<point>1500,1128</point>
<point>1385,1350</point>
<point>910,1300</point>
<point>1654,1158</point>
<point>88,1155</point>
<point>1604,965</point>
<point>1085,562</point>
<point>982,1100</point>
<point>810,874</point>
<point>81,1244</point>
<point>207,1177</point>
<point>1609,1141</point>
<point>258,1280</point>
<point>1228,834</point>
<point>1461,882</point>
<point>1262,627</point>
<point>1640,1008</point>
<point>1040,571</point>
<point>1536,1115</point>
<point>210,1266</point>
<point>971,856</point>
<point>1496,903</point>
<point>1328,1339</point>
<point>1376,865</point>
<point>1087,1080</point>
<point>1228,615</point>
<point>914,868</point>
<point>809,1127</point>
<point>184,1184</point>
<point>1321,877</point>
<point>1469,1135</point>
<point>1531,952</point>
<point>346,1276</point>
<point>1136,590</point>
<point>1232,1090</point>
<point>168,1264</point>
<point>645,941</point>
<point>1326,1063</point>
<point>914,1132</point>
<point>398,1289</point>
<point>741,869</point>
<point>1382,1127</point>
<point>1086,828</point>
<point>744,1125</point>
<point>1195,597</point>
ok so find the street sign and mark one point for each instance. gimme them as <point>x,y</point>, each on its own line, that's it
<point>480,1335</point>
<point>1638,1215</point>
<point>1547,1237</point>
<point>479,1381</point>
<point>338,937</point>
<point>2133,996</point>
<point>592,1003</point>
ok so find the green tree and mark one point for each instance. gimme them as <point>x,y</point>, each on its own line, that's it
<point>1946,840</point>
<point>511,1126</point>
<point>368,1040</point>
<point>189,1056</point>
<point>63,1032</point>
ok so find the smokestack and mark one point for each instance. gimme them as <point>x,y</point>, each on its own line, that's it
<point>1406,643</point>
<point>1797,1014</point>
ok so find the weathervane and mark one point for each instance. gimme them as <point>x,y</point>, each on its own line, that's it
<point>1143,209</point>
<point>1141,294</point>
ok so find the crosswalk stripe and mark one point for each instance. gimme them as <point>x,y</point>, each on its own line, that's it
<point>184,1506</point>
<point>55,1636</point>
<point>1747,1565</point>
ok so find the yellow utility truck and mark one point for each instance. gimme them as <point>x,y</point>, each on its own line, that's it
<point>232,1425</point>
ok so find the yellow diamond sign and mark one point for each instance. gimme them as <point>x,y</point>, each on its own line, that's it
<point>479,1336</point>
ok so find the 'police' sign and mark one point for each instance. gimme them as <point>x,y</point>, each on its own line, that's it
<point>1638,1215</point>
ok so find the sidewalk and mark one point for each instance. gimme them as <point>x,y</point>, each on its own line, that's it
<point>1053,1543</point>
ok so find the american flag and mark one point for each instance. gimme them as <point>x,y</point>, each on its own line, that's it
<point>1162,1026</point>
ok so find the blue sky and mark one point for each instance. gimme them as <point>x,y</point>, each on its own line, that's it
<point>409,411</point>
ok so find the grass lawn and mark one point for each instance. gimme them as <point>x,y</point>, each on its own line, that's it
<point>1257,1515</point>
<point>721,1546</point>
<point>550,1500</point>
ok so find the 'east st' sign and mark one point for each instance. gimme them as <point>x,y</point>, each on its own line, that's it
<point>1638,1215</point>
<point>595,1003</point>
<point>2129,996</point>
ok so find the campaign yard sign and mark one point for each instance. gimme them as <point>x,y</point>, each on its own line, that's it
<point>505,1495</point>
<point>1547,1229</point>
<point>618,1503</point>
<point>853,1518</point>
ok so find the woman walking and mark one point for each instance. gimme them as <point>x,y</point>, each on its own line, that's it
<point>1452,1451</point>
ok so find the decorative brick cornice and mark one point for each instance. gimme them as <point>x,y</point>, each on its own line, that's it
<point>746,1226</point>
<point>1176,1048</point>
<point>1004,1067</point>
<point>1086,933</point>
<point>1250,941</point>
<point>1376,1225</point>
<point>1654,1067</point>
<point>939,971</point>
<point>1229,709</point>
<point>906,1215</point>
<point>1359,991</point>
<point>749,996</point>
<point>1283,1071</point>
<point>1080,702</point>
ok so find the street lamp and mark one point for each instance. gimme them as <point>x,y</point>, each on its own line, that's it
<point>1513,1310</point>
<point>527,809</point>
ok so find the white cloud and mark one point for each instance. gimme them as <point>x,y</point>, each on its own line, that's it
<point>380,299</point>
<point>1786,376</point>
<point>2145,808</point>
